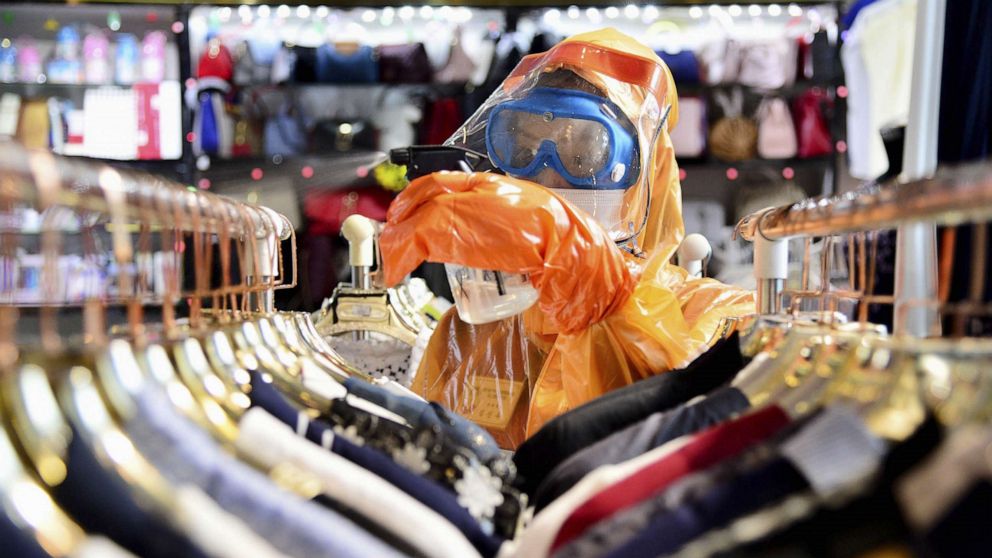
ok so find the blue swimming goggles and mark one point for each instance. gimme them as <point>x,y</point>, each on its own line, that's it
<point>584,137</point>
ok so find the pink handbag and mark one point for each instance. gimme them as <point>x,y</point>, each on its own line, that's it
<point>689,135</point>
<point>767,63</point>
<point>776,131</point>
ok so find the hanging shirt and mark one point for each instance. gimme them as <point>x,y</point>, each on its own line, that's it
<point>706,449</point>
<point>852,12</point>
<point>101,503</point>
<point>271,442</point>
<point>92,547</point>
<point>870,521</point>
<point>425,491</point>
<point>540,533</point>
<point>220,534</point>
<point>825,452</point>
<point>951,493</point>
<point>616,531</point>
<point>421,414</point>
<point>878,64</point>
<point>667,532</point>
<point>187,455</point>
<point>639,438</point>
<point>17,542</point>
<point>585,425</point>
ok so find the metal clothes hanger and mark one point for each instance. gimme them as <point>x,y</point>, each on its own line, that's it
<point>154,359</point>
<point>809,356</point>
<point>22,498</point>
<point>56,388</point>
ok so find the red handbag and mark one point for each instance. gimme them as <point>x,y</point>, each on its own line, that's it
<point>811,127</point>
<point>325,211</point>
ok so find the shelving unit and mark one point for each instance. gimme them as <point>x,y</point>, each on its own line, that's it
<point>22,21</point>
<point>704,179</point>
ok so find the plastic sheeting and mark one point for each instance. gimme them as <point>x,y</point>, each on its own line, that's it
<point>605,318</point>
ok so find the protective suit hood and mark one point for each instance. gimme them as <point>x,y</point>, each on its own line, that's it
<point>636,80</point>
<point>605,318</point>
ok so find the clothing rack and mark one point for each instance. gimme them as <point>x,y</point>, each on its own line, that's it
<point>916,254</point>
<point>954,196</point>
<point>41,180</point>
<point>85,184</point>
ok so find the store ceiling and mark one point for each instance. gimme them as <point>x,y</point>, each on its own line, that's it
<point>471,3</point>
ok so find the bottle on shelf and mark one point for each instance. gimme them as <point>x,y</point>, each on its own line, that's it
<point>29,68</point>
<point>96,48</point>
<point>126,70</point>
<point>8,64</point>
<point>65,67</point>
<point>153,57</point>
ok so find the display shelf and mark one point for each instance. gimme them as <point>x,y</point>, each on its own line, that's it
<point>48,89</point>
<point>699,89</point>
<point>751,164</point>
<point>469,3</point>
<point>337,168</point>
<point>412,88</point>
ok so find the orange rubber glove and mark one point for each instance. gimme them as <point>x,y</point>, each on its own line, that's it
<point>491,221</point>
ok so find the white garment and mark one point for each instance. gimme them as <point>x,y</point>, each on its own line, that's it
<point>327,387</point>
<point>417,354</point>
<point>95,546</point>
<point>878,65</point>
<point>537,538</point>
<point>265,439</point>
<point>483,57</point>
<point>217,532</point>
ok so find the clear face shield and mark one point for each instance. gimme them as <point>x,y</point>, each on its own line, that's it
<point>588,135</point>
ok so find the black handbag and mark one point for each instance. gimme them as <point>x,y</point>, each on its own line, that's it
<point>343,135</point>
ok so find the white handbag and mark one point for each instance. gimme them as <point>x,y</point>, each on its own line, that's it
<point>689,135</point>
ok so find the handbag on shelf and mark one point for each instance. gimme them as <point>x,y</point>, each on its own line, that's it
<point>811,127</point>
<point>734,137</point>
<point>689,135</point>
<point>776,131</point>
<point>283,65</point>
<point>460,67</point>
<point>346,63</point>
<point>305,64</point>
<point>767,63</point>
<point>683,65</point>
<point>246,68</point>
<point>406,63</point>
<point>341,135</point>
<point>284,134</point>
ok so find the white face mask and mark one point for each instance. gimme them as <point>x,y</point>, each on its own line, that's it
<point>605,206</point>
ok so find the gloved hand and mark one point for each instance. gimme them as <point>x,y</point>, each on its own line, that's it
<point>491,221</point>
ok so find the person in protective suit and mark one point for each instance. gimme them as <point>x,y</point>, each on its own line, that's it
<point>589,208</point>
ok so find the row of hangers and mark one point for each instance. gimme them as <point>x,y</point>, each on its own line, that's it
<point>806,359</point>
<point>86,385</point>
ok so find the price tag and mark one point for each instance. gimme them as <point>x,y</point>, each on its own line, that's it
<point>493,401</point>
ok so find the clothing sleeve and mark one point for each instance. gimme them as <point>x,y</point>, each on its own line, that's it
<point>490,221</point>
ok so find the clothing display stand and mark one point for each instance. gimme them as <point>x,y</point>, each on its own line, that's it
<point>916,255</point>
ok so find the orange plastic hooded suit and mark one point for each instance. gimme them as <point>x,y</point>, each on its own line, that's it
<point>605,317</point>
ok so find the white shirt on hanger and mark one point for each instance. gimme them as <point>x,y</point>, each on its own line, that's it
<point>271,442</point>
<point>878,64</point>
